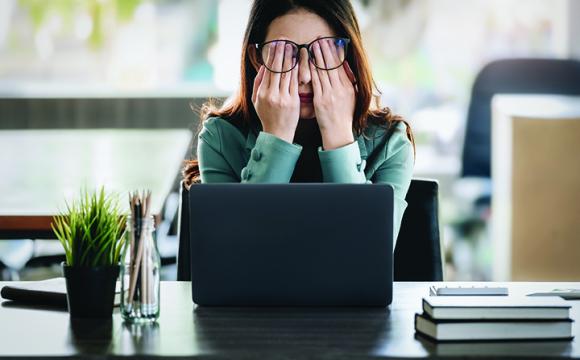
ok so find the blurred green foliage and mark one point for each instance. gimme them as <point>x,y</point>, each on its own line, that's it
<point>100,11</point>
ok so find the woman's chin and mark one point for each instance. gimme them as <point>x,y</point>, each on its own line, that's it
<point>307,112</point>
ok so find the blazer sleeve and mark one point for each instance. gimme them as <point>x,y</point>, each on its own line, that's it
<point>272,160</point>
<point>344,165</point>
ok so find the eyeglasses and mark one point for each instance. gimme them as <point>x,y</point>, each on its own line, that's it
<point>337,46</point>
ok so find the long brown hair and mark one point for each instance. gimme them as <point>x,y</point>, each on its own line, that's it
<point>339,14</point>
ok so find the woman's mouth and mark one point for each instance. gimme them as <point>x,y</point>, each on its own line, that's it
<point>305,97</point>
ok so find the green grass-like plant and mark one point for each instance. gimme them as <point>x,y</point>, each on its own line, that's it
<point>91,230</point>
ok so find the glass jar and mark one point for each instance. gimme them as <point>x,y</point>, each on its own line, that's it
<point>140,266</point>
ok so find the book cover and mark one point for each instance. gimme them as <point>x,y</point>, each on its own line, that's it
<point>460,307</point>
<point>493,330</point>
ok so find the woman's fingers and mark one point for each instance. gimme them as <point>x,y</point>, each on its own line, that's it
<point>345,78</point>
<point>350,74</point>
<point>276,66</point>
<point>257,83</point>
<point>341,51</point>
<point>331,61</point>
<point>269,59</point>
<point>322,74</point>
<point>287,63</point>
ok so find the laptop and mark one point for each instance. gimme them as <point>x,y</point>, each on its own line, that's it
<point>297,244</point>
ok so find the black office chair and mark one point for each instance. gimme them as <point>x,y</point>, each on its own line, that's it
<point>417,254</point>
<point>183,252</point>
<point>515,76</point>
<point>3,276</point>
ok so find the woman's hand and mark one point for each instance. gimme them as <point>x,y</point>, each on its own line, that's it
<point>275,95</point>
<point>334,98</point>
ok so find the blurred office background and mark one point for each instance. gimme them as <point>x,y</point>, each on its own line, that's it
<point>143,63</point>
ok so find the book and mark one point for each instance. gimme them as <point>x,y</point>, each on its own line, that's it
<point>505,329</point>
<point>485,307</point>
<point>51,292</point>
<point>469,290</point>
<point>493,349</point>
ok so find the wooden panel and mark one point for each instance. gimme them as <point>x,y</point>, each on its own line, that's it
<point>546,199</point>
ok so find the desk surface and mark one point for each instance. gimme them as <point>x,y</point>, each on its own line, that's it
<point>307,333</point>
<point>42,168</point>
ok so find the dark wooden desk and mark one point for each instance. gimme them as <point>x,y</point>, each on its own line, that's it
<point>42,168</point>
<point>184,330</point>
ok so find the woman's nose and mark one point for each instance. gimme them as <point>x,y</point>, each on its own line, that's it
<point>303,68</point>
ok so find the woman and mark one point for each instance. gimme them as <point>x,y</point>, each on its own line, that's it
<point>303,111</point>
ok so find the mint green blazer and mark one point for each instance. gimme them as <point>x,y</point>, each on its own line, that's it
<point>225,154</point>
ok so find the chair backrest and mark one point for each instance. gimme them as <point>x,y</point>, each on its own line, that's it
<point>417,254</point>
<point>183,252</point>
<point>511,76</point>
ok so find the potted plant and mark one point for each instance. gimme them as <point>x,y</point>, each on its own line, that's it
<point>90,232</point>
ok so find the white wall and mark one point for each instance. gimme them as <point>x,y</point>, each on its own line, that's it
<point>574,28</point>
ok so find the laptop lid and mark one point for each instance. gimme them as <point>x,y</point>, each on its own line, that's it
<point>297,244</point>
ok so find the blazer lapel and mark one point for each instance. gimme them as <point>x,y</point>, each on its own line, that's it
<point>362,147</point>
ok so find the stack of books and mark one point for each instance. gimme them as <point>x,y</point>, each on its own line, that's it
<point>460,318</point>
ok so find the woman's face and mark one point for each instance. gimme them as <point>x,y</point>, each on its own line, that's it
<point>302,27</point>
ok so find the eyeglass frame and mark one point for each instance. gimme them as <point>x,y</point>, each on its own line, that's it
<point>307,46</point>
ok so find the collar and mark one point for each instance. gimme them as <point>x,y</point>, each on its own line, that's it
<point>253,135</point>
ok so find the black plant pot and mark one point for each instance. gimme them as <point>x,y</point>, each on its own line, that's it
<point>90,291</point>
